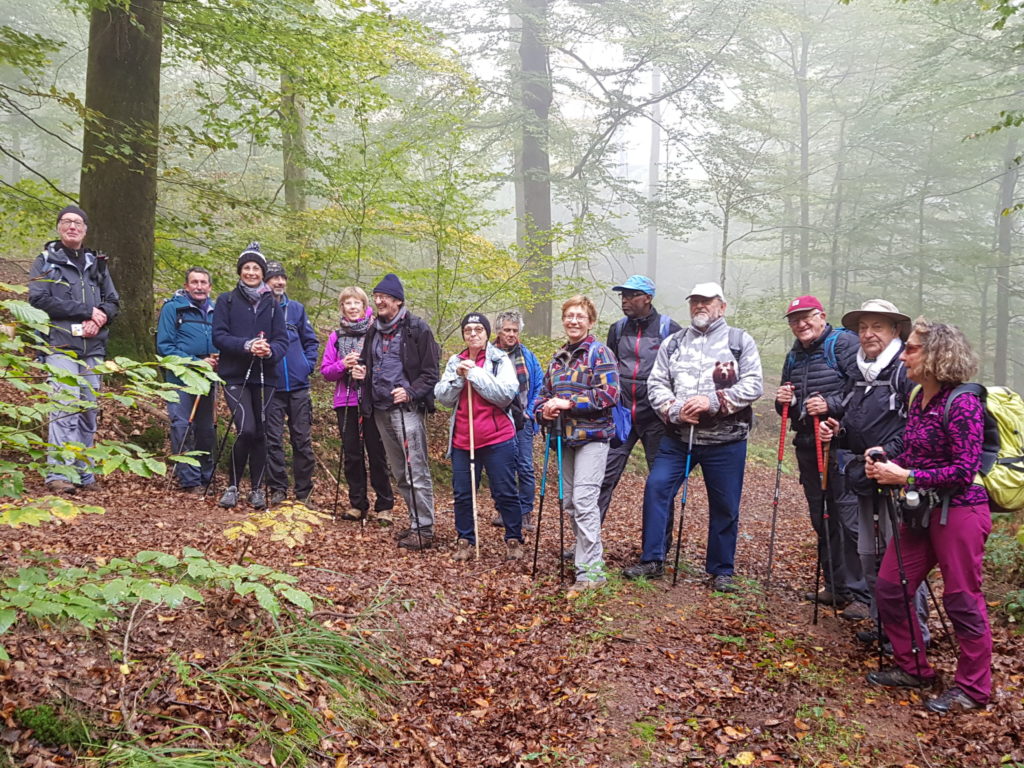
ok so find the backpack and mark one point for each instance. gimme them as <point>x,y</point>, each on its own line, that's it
<point>1002,451</point>
<point>828,348</point>
<point>515,408</point>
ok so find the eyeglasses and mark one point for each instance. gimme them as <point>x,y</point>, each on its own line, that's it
<point>912,348</point>
<point>795,321</point>
<point>471,330</point>
<point>576,318</point>
<point>632,294</point>
<point>66,222</point>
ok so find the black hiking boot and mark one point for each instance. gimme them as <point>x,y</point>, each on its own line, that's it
<point>418,540</point>
<point>894,677</point>
<point>952,700</point>
<point>649,569</point>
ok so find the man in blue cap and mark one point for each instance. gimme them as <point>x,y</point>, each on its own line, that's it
<point>635,340</point>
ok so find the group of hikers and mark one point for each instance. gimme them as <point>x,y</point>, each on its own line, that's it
<point>878,423</point>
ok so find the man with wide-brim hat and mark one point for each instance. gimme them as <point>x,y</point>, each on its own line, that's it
<point>875,414</point>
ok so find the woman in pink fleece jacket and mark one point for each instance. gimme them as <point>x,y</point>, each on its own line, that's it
<point>343,363</point>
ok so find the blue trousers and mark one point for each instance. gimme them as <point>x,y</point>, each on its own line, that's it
<point>202,436</point>
<point>723,467</point>
<point>524,467</point>
<point>499,461</point>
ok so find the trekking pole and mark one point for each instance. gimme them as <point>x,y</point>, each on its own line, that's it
<point>875,502</point>
<point>911,626</point>
<point>775,497</point>
<point>561,502</point>
<point>263,426</point>
<point>822,456</point>
<point>682,506</point>
<point>341,459</point>
<point>540,507</point>
<point>188,430</point>
<point>227,429</point>
<point>472,466</point>
<point>942,617</point>
<point>408,475</point>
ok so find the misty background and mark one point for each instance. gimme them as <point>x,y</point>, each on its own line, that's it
<point>509,154</point>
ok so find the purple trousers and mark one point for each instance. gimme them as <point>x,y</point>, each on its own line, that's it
<point>957,548</point>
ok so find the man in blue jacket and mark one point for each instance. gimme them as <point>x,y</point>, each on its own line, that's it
<point>531,376</point>
<point>291,400</point>
<point>185,329</point>
<point>71,284</point>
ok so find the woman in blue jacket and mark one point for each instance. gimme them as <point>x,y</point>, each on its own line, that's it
<point>249,331</point>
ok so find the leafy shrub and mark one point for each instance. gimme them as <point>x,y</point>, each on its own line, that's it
<point>53,728</point>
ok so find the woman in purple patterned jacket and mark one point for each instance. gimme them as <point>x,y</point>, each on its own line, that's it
<point>940,458</point>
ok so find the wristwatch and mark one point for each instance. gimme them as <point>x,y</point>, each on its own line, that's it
<point>910,479</point>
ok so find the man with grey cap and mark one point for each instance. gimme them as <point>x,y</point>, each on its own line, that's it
<point>291,400</point>
<point>704,380</point>
<point>875,413</point>
<point>635,340</point>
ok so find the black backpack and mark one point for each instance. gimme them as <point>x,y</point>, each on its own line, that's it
<point>515,408</point>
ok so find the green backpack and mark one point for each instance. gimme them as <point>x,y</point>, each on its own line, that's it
<point>1002,452</point>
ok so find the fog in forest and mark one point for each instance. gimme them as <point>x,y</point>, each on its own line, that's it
<point>503,155</point>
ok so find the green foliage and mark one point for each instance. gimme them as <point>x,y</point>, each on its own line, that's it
<point>47,509</point>
<point>52,727</point>
<point>92,595</point>
<point>288,524</point>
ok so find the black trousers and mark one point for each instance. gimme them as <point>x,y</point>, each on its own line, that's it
<point>250,446</point>
<point>353,446</point>
<point>297,409</point>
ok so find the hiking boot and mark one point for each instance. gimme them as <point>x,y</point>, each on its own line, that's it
<point>513,549</point>
<point>353,515</point>
<point>894,677</point>
<point>952,700</point>
<point>825,597</point>
<point>649,569</point>
<point>384,518</point>
<point>194,490</point>
<point>418,540</point>
<point>527,525</point>
<point>582,585</point>
<point>868,636</point>
<point>463,551</point>
<point>723,582</point>
<point>278,496</point>
<point>229,498</point>
<point>258,499</point>
<point>308,503</point>
<point>856,611</point>
<point>569,555</point>
<point>62,486</point>
<point>497,522</point>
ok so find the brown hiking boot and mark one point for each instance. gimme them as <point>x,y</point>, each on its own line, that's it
<point>352,515</point>
<point>418,540</point>
<point>513,549</point>
<point>384,518</point>
<point>497,522</point>
<point>528,526</point>
<point>463,551</point>
<point>62,486</point>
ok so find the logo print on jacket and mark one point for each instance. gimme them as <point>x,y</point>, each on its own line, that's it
<point>724,374</point>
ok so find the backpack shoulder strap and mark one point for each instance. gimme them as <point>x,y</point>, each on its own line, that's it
<point>976,389</point>
<point>829,349</point>
<point>615,332</point>
<point>736,342</point>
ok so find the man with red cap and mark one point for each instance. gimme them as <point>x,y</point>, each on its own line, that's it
<point>815,376</point>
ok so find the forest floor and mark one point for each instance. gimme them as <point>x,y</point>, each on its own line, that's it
<point>503,670</point>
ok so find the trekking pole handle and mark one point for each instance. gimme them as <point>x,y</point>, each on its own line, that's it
<point>782,431</point>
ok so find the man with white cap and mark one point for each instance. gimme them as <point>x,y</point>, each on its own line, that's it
<point>635,340</point>
<point>815,377</point>
<point>704,380</point>
<point>874,414</point>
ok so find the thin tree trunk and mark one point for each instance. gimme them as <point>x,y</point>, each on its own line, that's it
<point>536,95</point>
<point>1007,187</point>
<point>653,176</point>
<point>805,167</point>
<point>293,155</point>
<point>837,212</point>
<point>118,186</point>
<point>726,214</point>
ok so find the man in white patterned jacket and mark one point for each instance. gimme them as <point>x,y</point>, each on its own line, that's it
<point>704,381</point>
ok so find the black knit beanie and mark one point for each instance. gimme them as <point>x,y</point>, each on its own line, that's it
<point>252,253</point>
<point>476,317</point>
<point>73,209</point>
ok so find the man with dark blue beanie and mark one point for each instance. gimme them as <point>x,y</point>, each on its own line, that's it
<point>399,374</point>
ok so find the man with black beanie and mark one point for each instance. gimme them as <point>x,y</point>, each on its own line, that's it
<point>72,285</point>
<point>401,369</point>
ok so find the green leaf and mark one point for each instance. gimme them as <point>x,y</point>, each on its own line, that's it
<point>296,597</point>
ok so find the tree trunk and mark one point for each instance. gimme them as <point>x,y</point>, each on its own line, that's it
<point>535,85</point>
<point>805,167</point>
<point>119,162</point>
<point>653,176</point>
<point>726,213</point>
<point>1007,187</point>
<point>837,212</point>
<point>293,155</point>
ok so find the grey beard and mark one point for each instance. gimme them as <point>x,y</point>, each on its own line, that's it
<point>700,321</point>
